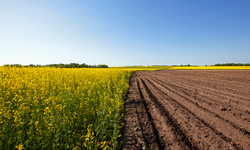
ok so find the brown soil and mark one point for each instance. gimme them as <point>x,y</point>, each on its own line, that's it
<point>188,110</point>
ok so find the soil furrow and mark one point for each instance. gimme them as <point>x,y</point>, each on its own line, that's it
<point>224,82</point>
<point>197,128</point>
<point>216,88</point>
<point>188,110</point>
<point>209,82</point>
<point>220,98</point>
<point>217,110</point>
<point>145,121</point>
<point>133,137</point>
<point>217,124</point>
<point>169,135</point>
<point>210,93</point>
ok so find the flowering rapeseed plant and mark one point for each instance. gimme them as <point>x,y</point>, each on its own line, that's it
<point>60,108</point>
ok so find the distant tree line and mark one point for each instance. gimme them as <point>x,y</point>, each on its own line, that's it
<point>187,65</point>
<point>71,65</point>
<point>232,64</point>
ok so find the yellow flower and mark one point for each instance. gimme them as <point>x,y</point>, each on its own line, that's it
<point>36,123</point>
<point>103,144</point>
<point>76,148</point>
<point>20,146</point>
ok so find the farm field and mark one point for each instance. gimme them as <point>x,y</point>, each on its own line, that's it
<point>143,68</point>
<point>209,68</point>
<point>154,68</point>
<point>61,108</point>
<point>188,109</point>
<point>81,108</point>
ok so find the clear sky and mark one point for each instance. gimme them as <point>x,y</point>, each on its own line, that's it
<point>124,32</point>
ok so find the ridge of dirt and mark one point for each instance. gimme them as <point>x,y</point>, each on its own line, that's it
<point>188,110</point>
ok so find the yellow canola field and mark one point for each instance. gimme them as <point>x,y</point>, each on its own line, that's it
<point>143,68</point>
<point>210,68</point>
<point>59,108</point>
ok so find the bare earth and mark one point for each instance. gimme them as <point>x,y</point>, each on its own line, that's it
<point>188,110</point>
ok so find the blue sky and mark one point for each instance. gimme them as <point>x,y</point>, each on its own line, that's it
<point>124,32</point>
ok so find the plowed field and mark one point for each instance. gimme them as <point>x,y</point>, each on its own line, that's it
<point>188,110</point>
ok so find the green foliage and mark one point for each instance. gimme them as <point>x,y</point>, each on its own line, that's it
<point>233,64</point>
<point>71,65</point>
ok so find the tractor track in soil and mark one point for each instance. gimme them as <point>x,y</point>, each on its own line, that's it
<point>188,110</point>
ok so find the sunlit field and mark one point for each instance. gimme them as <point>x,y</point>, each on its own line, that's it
<point>58,108</point>
<point>143,68</point>
<point>154,68</point>
<point>67,108</point>
<point>210,68</point>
